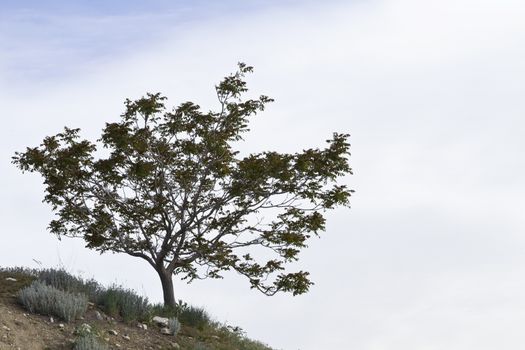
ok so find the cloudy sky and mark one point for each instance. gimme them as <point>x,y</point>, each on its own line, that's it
<point>432,253</point>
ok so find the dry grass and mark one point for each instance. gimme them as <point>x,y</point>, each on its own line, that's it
<point>9,289</point>
<point>24,328</point>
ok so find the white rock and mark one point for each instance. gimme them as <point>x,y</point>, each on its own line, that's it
<point>5,328</point>
<point>51,319</point>
<point>175,346</point>
<point>11,279</point>
<point>99,316</point>
<point>165,331</point>
<point>61,325</point>
<point>113,332</point>
<point>125,336</point>
<point>161,321</point>
<point>143,326</point>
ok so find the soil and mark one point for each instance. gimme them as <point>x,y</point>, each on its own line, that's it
<point>21,330</point>
<point>24,331</point>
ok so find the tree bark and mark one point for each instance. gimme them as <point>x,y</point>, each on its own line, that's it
<point>166,278</point>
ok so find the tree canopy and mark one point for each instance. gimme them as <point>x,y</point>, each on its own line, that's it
<point>168,187</point>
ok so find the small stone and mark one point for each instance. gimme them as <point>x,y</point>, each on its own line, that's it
<point>61,326</point>
<point>5,328</point>
<point>165,331</point>
<point>125,336</point>
<point>117,345</point>
<point>99,316</point>
<point>216,337</point>
<point>51,320</point>
<point>143,326</point>
<point>10,279</point>
<point>113,332</point>
<point>161,321</point>
<point>175,346</point>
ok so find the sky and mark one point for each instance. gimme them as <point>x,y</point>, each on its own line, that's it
<point>432,253</point>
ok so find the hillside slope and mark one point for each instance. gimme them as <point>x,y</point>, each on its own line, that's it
<point>22,330</point>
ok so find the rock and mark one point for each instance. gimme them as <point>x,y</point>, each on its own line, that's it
<point>51,320</point>
<point>216,337</point>
<point>161,321</point>
<point>99,316</point>
<point>175,346</point>
<point>125,336</point>
<point>113,332</point>
<point>5,328</point>
<point>61,326</point>
<point>143,326</point>
<point>10,279</point>
<point>117,345</point>
<point>165,330</point>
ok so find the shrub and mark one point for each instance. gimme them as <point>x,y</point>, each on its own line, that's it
<point>236,338</point>
<point>23,278</point>
<point>47,300</point>
<point>194,317</point>
<point>174,326</point>
<point>63,280</point>
<point>163,311</point>
<point>168,311</point>
<point>89,342</point>
<point>117,301</point>
<point>201,346</point>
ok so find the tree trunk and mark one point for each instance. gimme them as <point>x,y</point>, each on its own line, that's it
<point>166,278</point>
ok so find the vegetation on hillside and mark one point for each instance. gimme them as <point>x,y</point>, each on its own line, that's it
<point>57,293</point>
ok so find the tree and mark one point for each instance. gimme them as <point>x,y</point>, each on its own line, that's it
<point>168,187</point>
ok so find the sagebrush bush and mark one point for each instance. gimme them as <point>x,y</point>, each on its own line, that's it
<point>47,300</point>
<point>63,280</point>
<point>17,270</point>
<point>117,301</point>
<point>89,342</point>
<point>174,326</point>
<point>194,317</point>
<point>201,346</point>
<point>236,338</point>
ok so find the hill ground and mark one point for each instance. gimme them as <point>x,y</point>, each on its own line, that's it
<point>23,330</point>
